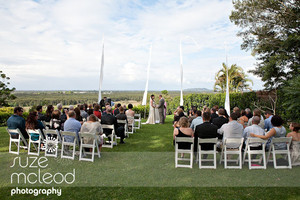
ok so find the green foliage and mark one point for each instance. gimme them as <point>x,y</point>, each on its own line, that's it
<point>6,112</point>
<point>140,109</point>
<point>271,29</point>
<point>241,100</point>
<point>236,77</point>
<point>5,92</point>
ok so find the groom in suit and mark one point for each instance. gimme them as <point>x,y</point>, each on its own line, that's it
<point>161,108</point>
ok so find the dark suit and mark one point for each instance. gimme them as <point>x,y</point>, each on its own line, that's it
<point>219,121</point>
<point>205,130</point>
<point>213,116</point>
<point>109,119</point>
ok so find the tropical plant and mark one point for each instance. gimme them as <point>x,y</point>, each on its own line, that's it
<point>238,80</point>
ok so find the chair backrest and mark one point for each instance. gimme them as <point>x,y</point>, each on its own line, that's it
<point>184,139</point>
<point>36,131</point>
<point>256,140</point>
<point>138,116</point>
<point>120,121</point>
<point>234,142</point>
<point>130,119</point>
<point>207,140</point>
<point>88,135</point>
<point>106,126</point>
<point>68,133</point>
<point>287,140</point>
<point>13,131</point>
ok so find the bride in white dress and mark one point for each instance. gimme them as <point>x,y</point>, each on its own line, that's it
<point>153,112</point>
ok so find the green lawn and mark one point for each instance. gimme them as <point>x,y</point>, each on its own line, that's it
<point>144,168</point>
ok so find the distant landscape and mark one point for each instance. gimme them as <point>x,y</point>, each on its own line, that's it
<point>73,97</point>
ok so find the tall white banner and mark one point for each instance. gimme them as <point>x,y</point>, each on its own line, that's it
<point>101,72</point>
<point>227,99</point>
<point>181,76</point>
<point>144,102</point>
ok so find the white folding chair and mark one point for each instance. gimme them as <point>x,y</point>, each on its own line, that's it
<point>83,153</point>
<point>53,138</point>
<point>178,152</point>
<point>36,143</point>
<point>207,152</point>
<point>252,142</point>
<point>17,141</point>
<point>111,136</point>
<point>137,121</point>
<point>130,124</point>
<point>237,150</point>
<point>46,124</point>
<point>65,145</point>
<point>287,141</point>
<point>124,123</point>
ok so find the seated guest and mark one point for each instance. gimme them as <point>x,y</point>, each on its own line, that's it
<point>183,131</point>
<point>205,130</point>
<point>17,121</point>
<point>268,115</point>
<point>179,114</point>
<point>83,113</point>
<point>109,119</point>
<point>116,110</point>
<point>277,131</point>
<point>219,121</point>
<point>197,121</point>
<point>233,129</point>
<point>97,112</point>
<point>254,128</point>
<point>92,126</point>
<point>55,122</point>
<point>78,116</point>
<point>33,123</point>
<point>106,106</point>
<point>192,114</point>
<point>49,111</point>
<point>90,109</point>
<point>63,116</point>
<point>295,146</point>
<point>72,125</point>
<point>130,113</point>
<point>248,113</point>
<point>237,111</point>
<point>120,127</point>
<point>71,108</point>
<point>294,127</point>
<point>257,112</point>
<point>243,119</point>
<point>214,114</point>
<point>39,110</point>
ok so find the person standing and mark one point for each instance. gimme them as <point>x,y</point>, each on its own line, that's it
<point>160,107</point>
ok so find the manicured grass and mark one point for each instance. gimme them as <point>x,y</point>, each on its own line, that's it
<point>143,168</point>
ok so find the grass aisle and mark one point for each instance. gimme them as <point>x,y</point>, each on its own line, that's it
<point>143,168</point>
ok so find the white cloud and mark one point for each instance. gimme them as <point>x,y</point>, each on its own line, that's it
<point>61,41</point>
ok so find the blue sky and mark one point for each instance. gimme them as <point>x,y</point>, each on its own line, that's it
<point>51,45</point>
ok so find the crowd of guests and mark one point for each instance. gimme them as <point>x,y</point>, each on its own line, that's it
<point>82,118</point>
<point>215,122</point>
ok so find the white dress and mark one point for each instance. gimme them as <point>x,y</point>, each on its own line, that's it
<point>295,153</point>
<point>153,113</point>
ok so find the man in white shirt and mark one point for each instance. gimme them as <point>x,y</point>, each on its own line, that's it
<point>233,129</point>
<point>197,121</point>
<point>254,128</point>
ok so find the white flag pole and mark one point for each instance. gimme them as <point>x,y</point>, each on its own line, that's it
<point>181,75</point>
<point>101,72</point>
<point>144,102</point>
<point>227,99</point>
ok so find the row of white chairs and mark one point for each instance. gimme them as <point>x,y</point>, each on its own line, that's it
<point>227,152</point>
<point>51,142</point>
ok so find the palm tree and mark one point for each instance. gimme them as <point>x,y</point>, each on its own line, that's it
<point>238,80</point>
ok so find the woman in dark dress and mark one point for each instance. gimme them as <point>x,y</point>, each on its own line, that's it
<point>183,130</point>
